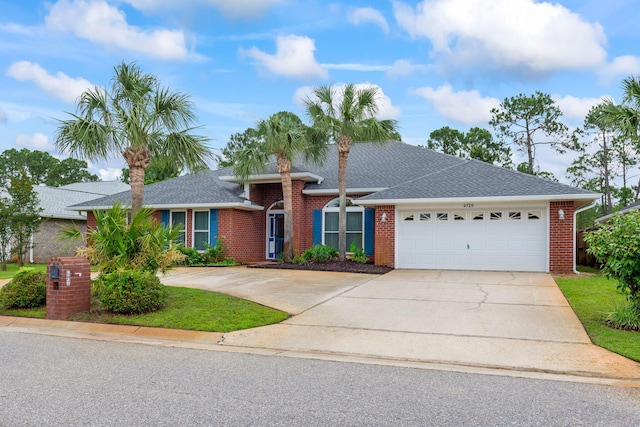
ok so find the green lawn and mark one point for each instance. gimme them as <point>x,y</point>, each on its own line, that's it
<point>12,269</point>
<point>192,309</point>
<point>592,298</point>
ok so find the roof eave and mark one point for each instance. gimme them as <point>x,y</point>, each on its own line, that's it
<point>229,205</point>
<point>505,199</point>
<point>273,178</point>
<point>335,192</point>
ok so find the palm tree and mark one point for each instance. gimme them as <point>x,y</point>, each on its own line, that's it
<point>139,119</point>
<point>348,116</point>
<point>284,136</point>
<point>626,115</point>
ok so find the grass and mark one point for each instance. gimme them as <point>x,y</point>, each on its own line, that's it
<point>592,299</point>
<point>13,268</point>
<point>197,310</point>
<point>36,312</point>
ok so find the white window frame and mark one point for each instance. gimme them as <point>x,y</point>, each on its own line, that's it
<point>194,230</point>
<point>184,229</point>
<point>351,208</point>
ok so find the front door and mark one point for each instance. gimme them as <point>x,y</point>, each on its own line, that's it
<point>275,235</point>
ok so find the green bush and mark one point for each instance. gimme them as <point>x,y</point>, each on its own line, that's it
<point>27,289</point>
<point>358,254</point>
<point>216,253</point>
<point>212,255</point>
<point>625,317</point>
<point>130,292</point>
<point>192,256</point>
<point>320,253</point>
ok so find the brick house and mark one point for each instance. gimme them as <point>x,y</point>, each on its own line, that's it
<point>409,207</point>
<point>53,201</point>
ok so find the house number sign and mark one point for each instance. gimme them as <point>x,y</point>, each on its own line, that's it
<point>468,205</point>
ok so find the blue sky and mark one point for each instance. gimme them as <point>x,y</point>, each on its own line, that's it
<point>437,62</point>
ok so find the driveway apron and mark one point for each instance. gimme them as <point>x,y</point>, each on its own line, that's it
<point>503,320</point>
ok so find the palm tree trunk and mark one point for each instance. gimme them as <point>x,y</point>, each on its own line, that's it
<point>284,168</point>
<point>344,146</point>
<point>138,159</point>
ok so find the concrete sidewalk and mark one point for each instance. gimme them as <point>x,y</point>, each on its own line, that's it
<point>516,324</point>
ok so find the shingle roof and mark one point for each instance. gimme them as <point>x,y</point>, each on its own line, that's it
<point>399,170</point>
<point>201,188</point>
<point>54,200</point>
<point>475,179</point>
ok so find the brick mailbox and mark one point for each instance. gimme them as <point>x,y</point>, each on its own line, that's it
<point>68,287</point>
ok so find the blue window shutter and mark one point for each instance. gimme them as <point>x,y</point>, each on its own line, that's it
<point>164,217</point>
<point>369,221</point>
<point>317,227</point>
<point>213,226</point>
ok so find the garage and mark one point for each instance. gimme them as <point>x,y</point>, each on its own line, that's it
<point>490,238</point>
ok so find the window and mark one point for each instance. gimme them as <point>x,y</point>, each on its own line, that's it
<point>355,224</point>
<point>178,220</point>
<point>534,215</point>
<point>425,216</point>
<point>515,215</point>
<point>495,216</point>
<point>200,230</point>
<point>442,216</point>
<point>459,216</point>
<point>407,216</point>
<point>477,216</point>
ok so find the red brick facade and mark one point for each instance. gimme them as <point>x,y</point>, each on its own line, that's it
<point>244,232</point>
<point>561,237</point>
<point>70,293</point>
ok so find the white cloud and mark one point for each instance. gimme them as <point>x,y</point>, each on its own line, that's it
<point>465,107</point>
<point>59,85</point>
<point>110,174</point>
<point>236,9</point>
<point>521,35</point>
<point>356,67</point>
<point>402,68</point>
<point>101,23</point>
<point>620,67</point>
<point>386,109</point>
<point>293,58</point>
<point>575,108</point>
<point>37,141</point>
<point>369,14</point>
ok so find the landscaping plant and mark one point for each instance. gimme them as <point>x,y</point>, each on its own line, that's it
<point>616,245</point>
<point>357,254</point>
<point>130,292</point>
<point>27,289</point>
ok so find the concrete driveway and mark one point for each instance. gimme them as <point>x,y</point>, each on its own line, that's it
<point>500,320</point>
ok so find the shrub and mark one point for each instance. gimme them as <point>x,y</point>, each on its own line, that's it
<point>625,317</point>
<point>616,245</point>
<point>192,256</point>
<point>212,255</point>
<point>27,289</point>
<point>320,253</point>
<point>358,254</point>
<point>130,292</point>
<point>216,253</point>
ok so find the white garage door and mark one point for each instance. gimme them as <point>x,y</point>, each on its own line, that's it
<point>511,239</point>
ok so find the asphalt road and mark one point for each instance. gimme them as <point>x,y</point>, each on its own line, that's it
<point>56,381</point>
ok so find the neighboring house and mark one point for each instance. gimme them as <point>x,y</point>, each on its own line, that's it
<point>409,207</point>
<point>53,201</point>
<point>633,206</point>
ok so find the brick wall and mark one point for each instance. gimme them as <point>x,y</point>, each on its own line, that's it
<point>385,235</point>
<point>243,233</point>
<point>561,243</point>
<point>65,299</point>
<point>91,221</point>
<point>46,244</point>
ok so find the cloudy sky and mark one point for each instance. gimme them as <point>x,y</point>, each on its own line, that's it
<point>436,62</point>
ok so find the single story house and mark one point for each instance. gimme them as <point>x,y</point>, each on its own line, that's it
<point>53,201</point>
<point>408,207</point>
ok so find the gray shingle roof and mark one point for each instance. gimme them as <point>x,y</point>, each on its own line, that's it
<point>404,172</point>
<point>471,179</point>
<point>54,200</point>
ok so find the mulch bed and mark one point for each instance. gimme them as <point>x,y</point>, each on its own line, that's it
<point>347,266</point>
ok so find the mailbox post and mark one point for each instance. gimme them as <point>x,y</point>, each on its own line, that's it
<point>68,287</point>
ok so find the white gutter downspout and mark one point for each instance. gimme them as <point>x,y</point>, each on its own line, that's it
<point>31,249</point>
<point>575,242</point>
